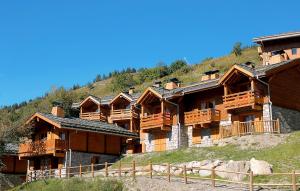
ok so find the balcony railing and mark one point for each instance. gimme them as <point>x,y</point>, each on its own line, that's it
<point>121,114</point>
<point>242,99</point>
<point>55,147</point>
<point>156,120</point>
<point>97,116</point>
<point>249,128</point>
<point>201,116</point>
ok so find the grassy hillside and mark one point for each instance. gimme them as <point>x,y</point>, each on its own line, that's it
<point>14,116</point>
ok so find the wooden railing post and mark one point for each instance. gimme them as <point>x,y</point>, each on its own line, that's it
<point>169,174</point>
<point>120,169</point>
<point>133,169</point>
<point>68,171</point>
<point>31,176</point>
<point>251,181</point>
<point>80,170</point>
<point>150,166</point>
<point>294,181</point>
<point>59,172</point>
<point>106,169</point>
<point>50,172</point>
<point>92,169</point>
<point>184,174</point>
<point>278,125</point>
<point>213,177</point>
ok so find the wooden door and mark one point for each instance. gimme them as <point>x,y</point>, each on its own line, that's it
<point>196,136</point>
<point>160,141</point>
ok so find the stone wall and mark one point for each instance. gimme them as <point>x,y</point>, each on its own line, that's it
<point>289,119</point>
<point>149,142</point>
<point>266,112</point>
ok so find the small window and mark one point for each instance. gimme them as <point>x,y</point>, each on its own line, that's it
<point>62,136</point>
<point>294,51</point>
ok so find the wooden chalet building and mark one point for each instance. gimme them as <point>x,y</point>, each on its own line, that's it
<point>11,161</point>
<point>58,142</point>
<point>125,113</point>
<point>278,48</point>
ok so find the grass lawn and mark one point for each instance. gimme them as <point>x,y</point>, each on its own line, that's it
<point>72,184</point>
<point>284,157</point>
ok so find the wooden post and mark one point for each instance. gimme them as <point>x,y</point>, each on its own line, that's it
<point>92,169</point>
<point>50,172</point>
<point>278,125</point>
<point>184,174</point>
<point>120,169</point>
<point>251,181</point>
<point>106,169</point>
<point>31,176</point>
<point>213,176</point>
<point>294,181</point>
<point>59,172</point>
<point>68,170</point>
<point>133,169</point>
<point>80,170</point>
<point>150,165</point>
<point>169,174</point>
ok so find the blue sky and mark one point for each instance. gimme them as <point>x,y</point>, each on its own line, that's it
<point>61,43</point>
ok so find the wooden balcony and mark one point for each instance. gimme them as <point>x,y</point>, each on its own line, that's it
<point>55,147</point>
<point>242,99</point>
<point>249,128</point>
<point>204,116</point>
<point>123,114</point>
<point>95,116</point>
<point>164,121</point>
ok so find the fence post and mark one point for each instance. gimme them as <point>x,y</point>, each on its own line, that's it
<point>50,173</point>
<point>251,181</point>
<point>120,169</point>
<point>59,172</point>
<point>80,170</point>
<point>92,168</point>
<point>169,175</point>
<point>68,171</point>
<point>31,176</point>
<point>184,174</point>
<point>150,166</point>
<point>106,169</point>
<point>213,176</point>
<point>278,125</point>
<point>294,186</point>
<point>133,169</point>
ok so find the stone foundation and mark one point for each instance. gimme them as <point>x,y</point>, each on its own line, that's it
<point>289,119</point>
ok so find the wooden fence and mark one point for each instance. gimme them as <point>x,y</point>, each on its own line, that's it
<point>249,128</point>
<point>118,170</point>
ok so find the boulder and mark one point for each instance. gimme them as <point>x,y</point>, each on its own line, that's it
<point>260,167</point>
<point>206,172</point>
<point>234,166</point>
<point>159,168</point>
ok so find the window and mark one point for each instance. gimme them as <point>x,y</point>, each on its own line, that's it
<point>62,136</point>
<point>294,51</point>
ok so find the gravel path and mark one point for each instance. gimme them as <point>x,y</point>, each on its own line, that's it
<point>176,184</point>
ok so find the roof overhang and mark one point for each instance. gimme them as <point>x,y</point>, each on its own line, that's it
<point>229,73</point>
<point>121,95</point>
<point>90,98</point>
<point>148,90</point>
<point>258,40</point>
<point>291,64</point>
<point>39,116</point>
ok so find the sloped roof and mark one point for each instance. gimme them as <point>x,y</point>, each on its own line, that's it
<point>201,86</point>
<point>277,36</point>
<point>87,125</point>
<point>131,97</point>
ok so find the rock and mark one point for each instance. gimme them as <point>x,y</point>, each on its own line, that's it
<point>206,172</point>
<point>234,166</point>
<point>159,168</point>
<point>260,167</point>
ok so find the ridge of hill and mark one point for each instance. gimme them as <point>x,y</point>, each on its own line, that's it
<point>15,115</point>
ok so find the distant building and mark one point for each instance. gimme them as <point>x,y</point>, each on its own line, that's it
<point>278,48</point>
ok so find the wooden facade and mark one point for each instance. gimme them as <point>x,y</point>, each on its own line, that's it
<point>13,165</point>
<point>92,109</point>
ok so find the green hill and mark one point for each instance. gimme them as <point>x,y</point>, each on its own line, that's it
<point>15,115</point>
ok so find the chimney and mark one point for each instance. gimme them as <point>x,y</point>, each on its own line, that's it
<point>131,91</point>
<point>157,83</point>
<point>210,75</point>
<point>57,110</point>
<point>172,84</point>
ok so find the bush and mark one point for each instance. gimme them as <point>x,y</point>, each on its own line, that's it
<point>177,65</point>
<point>237,49</point>
<point>122,82</point>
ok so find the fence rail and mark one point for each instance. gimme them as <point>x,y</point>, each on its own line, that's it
<point>249,128</point>
<point>133,171</point>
